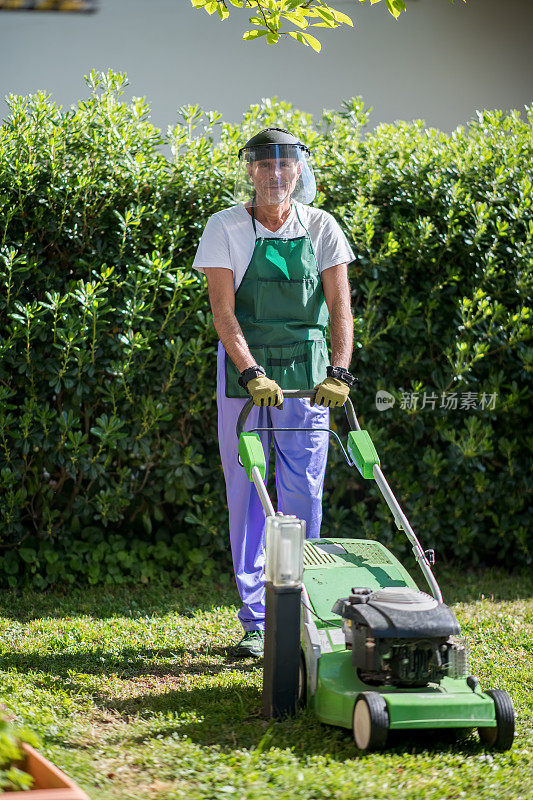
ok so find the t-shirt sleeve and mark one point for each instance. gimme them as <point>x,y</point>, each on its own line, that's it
<point>213,248</point>
<point>333,247</point>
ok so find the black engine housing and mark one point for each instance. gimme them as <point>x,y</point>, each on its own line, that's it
<point>400,636</point>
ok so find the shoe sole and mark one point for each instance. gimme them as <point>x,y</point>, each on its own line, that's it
<point>240,654</point>
<point>244,653</point>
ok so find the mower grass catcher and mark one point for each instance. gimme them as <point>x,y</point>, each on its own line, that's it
<point>377,654</point>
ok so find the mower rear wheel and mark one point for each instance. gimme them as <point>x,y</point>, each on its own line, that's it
<point>501,737</point>
<point>370,721</point>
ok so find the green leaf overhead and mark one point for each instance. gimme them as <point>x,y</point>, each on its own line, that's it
<point>272,16</point>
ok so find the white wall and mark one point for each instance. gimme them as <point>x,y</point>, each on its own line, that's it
<point>439,62</point>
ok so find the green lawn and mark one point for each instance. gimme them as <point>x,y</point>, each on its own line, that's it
<point>135,697</point>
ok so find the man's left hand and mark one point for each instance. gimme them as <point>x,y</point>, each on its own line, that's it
<point>331,392</point>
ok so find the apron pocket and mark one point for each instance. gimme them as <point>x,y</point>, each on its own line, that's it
<point>289,365</point>
<point>288,300</point>
<point>300,365</point>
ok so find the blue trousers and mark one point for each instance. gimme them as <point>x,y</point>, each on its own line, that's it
<point>300,464</point>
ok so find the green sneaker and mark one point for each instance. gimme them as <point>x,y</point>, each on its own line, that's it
<point>251,645</point>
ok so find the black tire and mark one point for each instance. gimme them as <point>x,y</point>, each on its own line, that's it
<point>501,737</point>
<point>302,682</point>
<point>370,725</point>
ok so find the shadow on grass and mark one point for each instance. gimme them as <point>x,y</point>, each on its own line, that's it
<point>129,663</point>
<point>226,716</point>
<point>133,601</point>
<point>161,598</point>
<point>230,718</point>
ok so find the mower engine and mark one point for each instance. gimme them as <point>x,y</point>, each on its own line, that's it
<point>401,637</point>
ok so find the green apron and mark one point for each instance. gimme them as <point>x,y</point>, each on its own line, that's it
<point>282,312</point>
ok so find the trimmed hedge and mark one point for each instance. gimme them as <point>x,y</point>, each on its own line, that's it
<point>109,466</point>
<point>444,232</point>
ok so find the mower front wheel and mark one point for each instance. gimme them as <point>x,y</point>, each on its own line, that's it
<point>370,721</point>
<point>501,737</point>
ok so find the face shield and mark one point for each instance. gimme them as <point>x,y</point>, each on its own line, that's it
<point>274,174</point>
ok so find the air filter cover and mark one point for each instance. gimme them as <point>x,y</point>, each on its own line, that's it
<point>402,598</point>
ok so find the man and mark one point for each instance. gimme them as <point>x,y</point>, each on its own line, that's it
<point>275,267</point>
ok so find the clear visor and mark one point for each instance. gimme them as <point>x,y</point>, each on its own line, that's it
<point>273,175</point>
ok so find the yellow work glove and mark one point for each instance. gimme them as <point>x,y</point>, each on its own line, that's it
<point>331,392</point>
<point>264,391</point>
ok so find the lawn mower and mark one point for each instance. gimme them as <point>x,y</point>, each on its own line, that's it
<point>349,634</point>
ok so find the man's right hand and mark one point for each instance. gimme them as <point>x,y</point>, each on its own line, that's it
<point>264,391</point>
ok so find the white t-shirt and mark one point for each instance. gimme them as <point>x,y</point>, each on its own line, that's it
<point>228,239</point>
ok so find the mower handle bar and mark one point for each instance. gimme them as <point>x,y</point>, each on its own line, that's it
<point>301,393</point>
<point>401,520</point>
